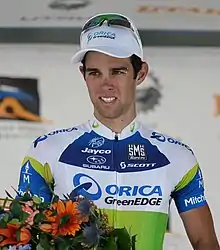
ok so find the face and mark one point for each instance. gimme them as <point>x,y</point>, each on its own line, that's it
<point>111,84</point>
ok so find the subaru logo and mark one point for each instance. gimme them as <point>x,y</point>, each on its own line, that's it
<point>96,159</point>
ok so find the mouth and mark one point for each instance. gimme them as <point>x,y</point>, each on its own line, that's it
<point>108,100</point>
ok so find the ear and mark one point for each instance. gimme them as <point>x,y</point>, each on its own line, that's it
<point>142,74</point>
<point>81,70</point>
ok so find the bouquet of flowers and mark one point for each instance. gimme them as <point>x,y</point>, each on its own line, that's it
<point>63,224</point>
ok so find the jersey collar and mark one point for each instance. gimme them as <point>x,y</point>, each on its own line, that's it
<point>102,130</point>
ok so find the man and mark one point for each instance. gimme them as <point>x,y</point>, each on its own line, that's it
<point>113,159</point>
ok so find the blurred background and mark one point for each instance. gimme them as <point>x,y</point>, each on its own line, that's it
<point>41,91</point>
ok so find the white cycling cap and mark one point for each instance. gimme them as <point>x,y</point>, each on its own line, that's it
<point>116,41</point>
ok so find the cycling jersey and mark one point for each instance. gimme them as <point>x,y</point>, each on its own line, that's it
<point>132,175</point>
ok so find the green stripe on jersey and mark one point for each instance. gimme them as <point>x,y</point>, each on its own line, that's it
<point>187,178</point>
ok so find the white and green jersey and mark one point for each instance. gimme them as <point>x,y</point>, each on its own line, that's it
<point>133,175</point>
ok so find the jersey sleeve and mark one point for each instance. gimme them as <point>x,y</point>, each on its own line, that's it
<point>36,174</point>
<point>189,192</point>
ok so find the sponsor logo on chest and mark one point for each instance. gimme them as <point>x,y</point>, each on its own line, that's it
<point>136,152</point>
<point>96,151</point>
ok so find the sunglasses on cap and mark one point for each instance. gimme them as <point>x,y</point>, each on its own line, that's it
<point>110,19</point>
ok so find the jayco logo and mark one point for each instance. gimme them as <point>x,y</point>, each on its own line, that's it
<point>96,151</point>
<point>101,34</point>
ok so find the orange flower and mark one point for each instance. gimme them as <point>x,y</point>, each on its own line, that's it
<point>67,221</point>
<point>46,227</point>
<point>8,235</point>
<point>25,236</point>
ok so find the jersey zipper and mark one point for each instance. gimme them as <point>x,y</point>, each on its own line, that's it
<point>114,155</point>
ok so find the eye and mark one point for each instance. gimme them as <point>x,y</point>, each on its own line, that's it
<point>93,73</point>
<point>119,72</point>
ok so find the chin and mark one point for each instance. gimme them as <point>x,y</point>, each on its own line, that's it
<point>109,114</point>
<point>111,117</point>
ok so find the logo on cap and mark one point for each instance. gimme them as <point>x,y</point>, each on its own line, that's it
<point>100,34</point>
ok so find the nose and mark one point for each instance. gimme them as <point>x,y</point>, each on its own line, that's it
<point>108,83</point>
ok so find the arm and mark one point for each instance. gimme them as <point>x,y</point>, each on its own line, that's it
<point>194,211</point>
<point>200,228</point>
<point>35,175</point>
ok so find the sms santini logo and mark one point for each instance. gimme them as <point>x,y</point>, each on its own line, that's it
<point>19,99</point>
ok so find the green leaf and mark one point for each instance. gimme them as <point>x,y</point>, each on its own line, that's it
<point>55,199</point>
<point>27,196</point>
<point>44,242</point>
<point>18,194</point>
<point>62,245</point>
<point>133,241</point>
<point>3,224</point>
<point>64,220</point>
<point>14,221</point>
<point>76,239</point>
<point>23,216</point>
<point>123,238</point>
<point>2,211</point>
<point>18,233</point>
<point>111,244</point>
<point>37,200</point>
<point>5,202</point>
<point>53,212</point>
<point>39,218</point>
<point>47,174</point>
<point>10,196</point>
<point>15,208</point>
<point>6,217</point>
<point>39,247</point>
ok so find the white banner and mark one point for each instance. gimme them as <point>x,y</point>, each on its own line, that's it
<point>147,14</point>
<point>181,97</point>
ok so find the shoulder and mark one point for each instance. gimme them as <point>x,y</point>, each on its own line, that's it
<point>175,149</point>
<point>60,136</point>
<point>49,147</point>
<point>170,142</point>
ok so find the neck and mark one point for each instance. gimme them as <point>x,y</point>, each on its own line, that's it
<point>116,124</point>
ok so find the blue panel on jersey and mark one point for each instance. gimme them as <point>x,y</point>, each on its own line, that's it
<point>192,195</point>
<point>132,154</point>
<point>30,179</point>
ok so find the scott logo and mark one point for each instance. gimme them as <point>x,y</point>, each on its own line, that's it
<point>123,165</point>
<point>96,151</point>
